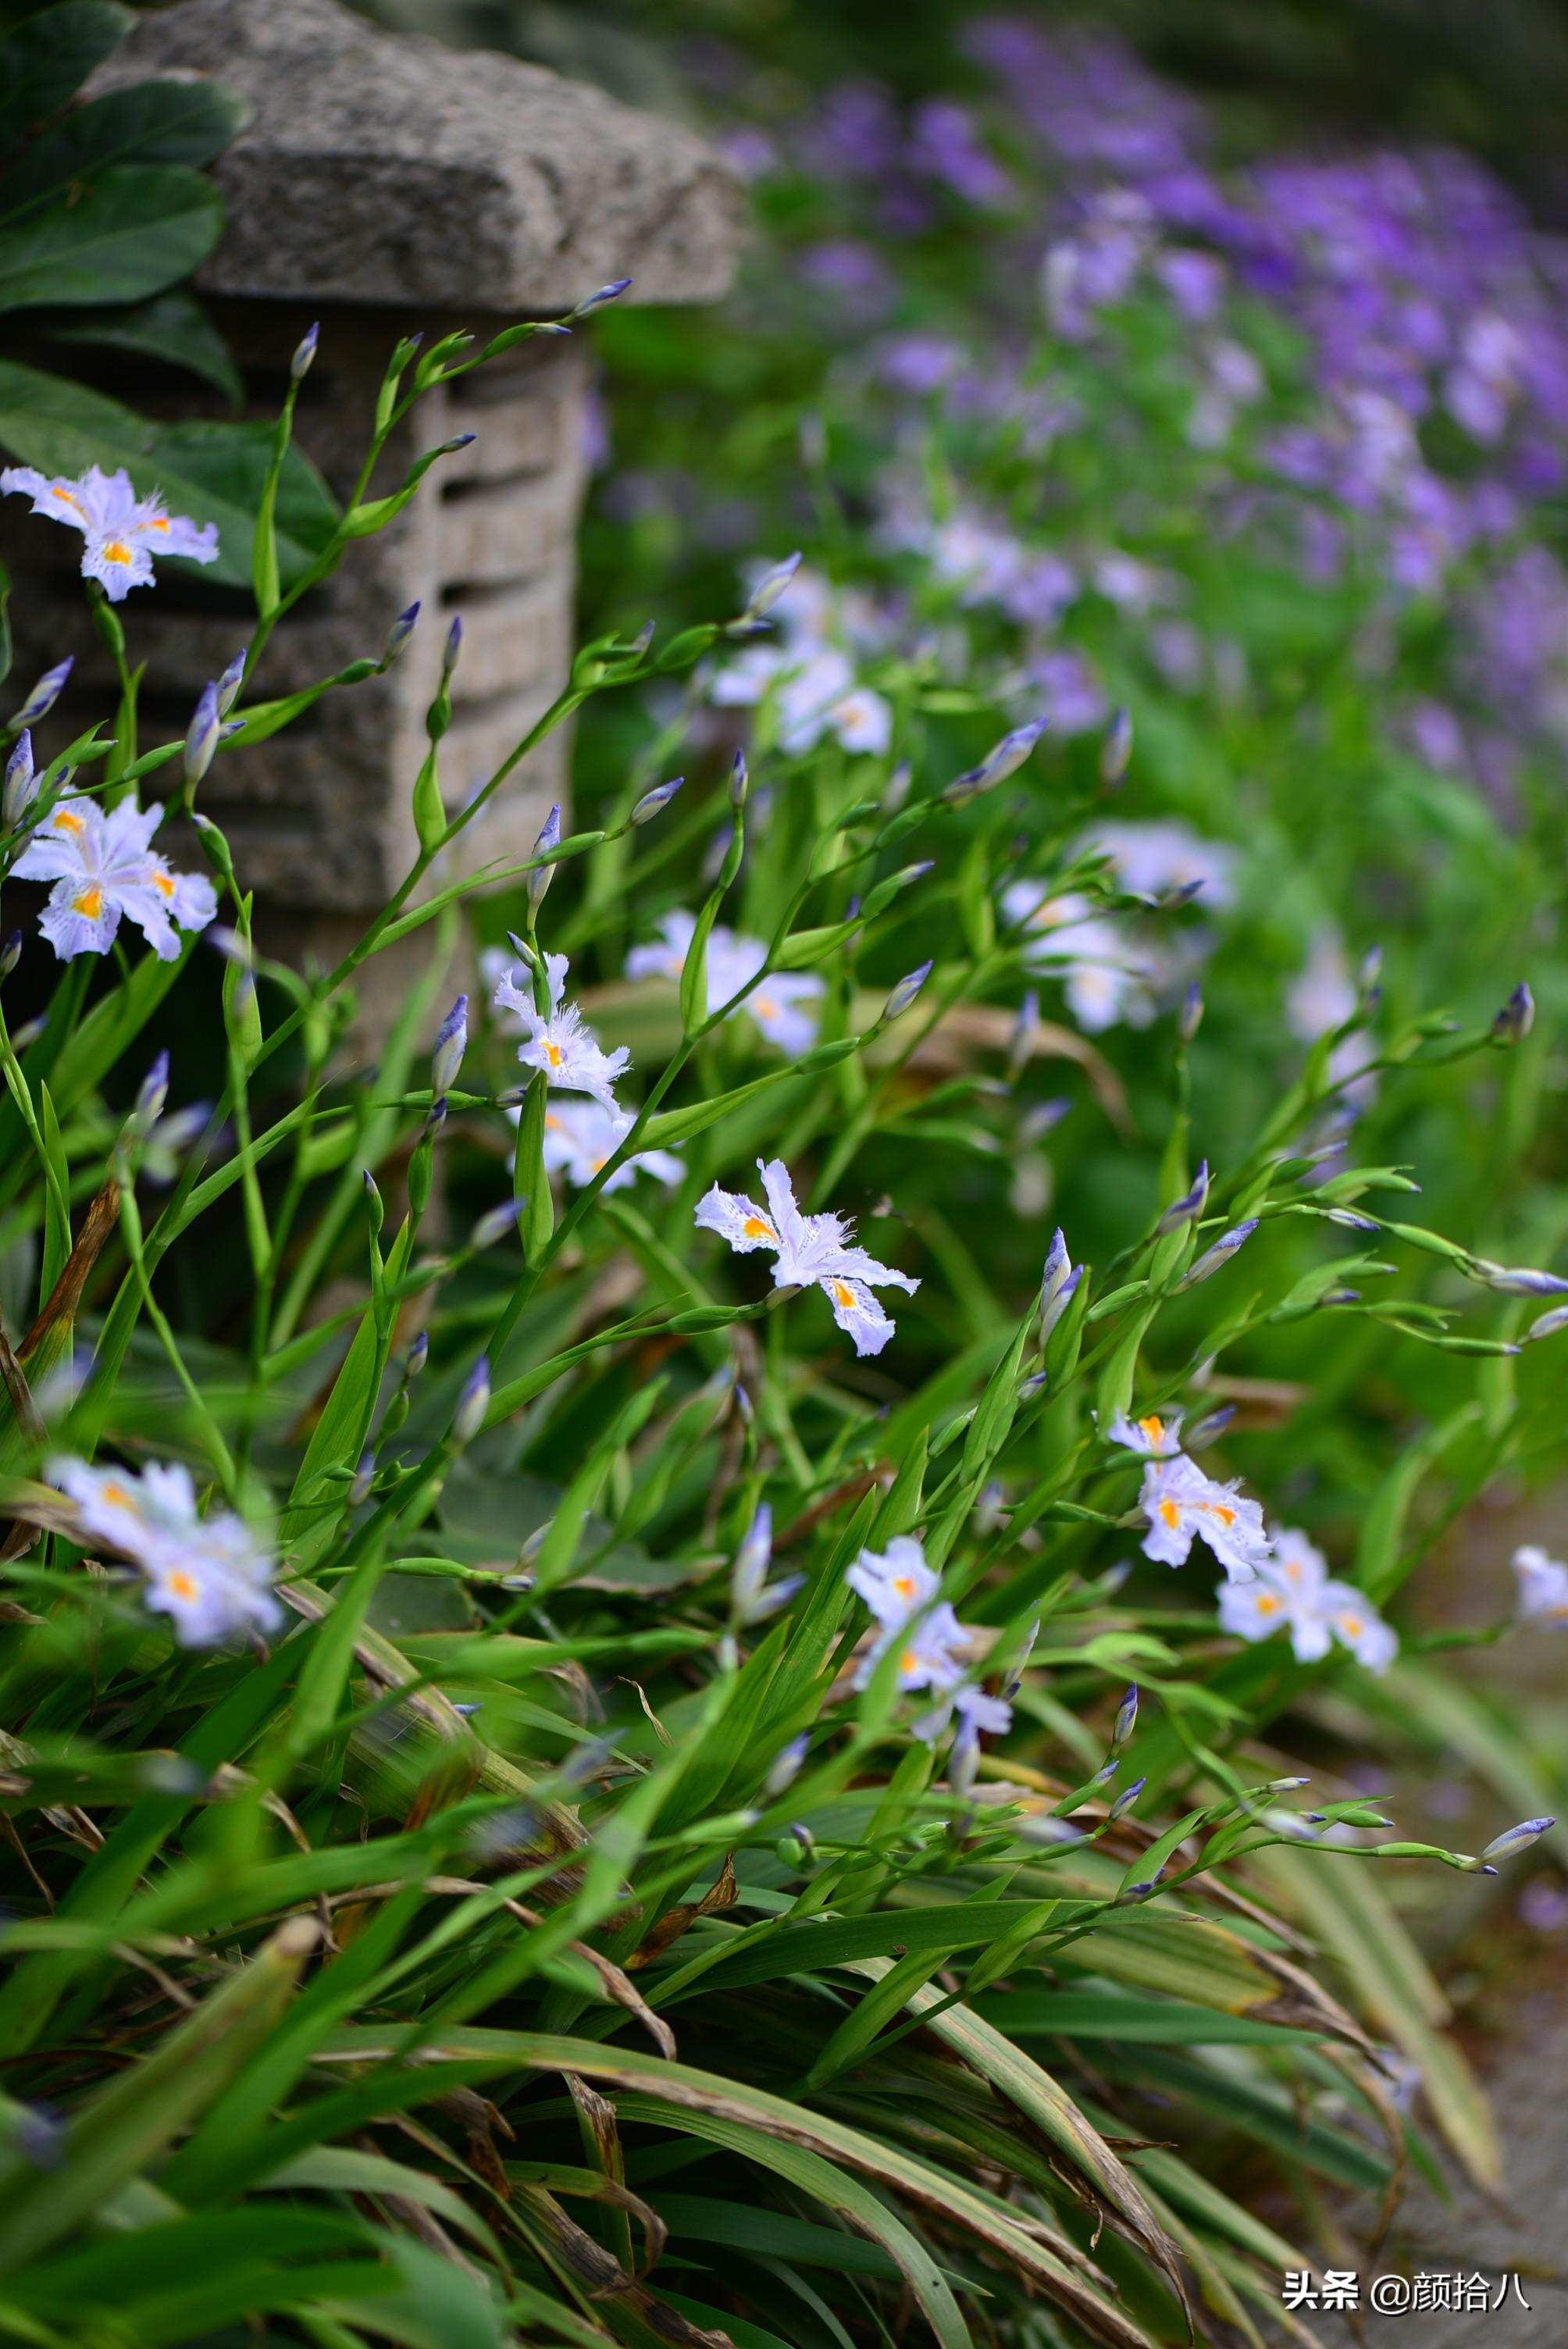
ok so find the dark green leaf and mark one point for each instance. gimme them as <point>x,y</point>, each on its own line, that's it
<point>212,471</point>
<point>186,122</point>
<point>49,56</point>
<point>172,327</point>
<point>137,230</point>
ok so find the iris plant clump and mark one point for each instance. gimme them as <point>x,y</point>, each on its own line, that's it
<point>557,1791</point>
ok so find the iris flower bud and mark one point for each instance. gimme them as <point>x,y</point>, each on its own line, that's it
<point>654,803</point>
<point>1517,1016</point>
<point>786,1768</point>
<point>1515,1839</point>
<point>398,634</point>
<point>1125,1722</point>
<point>1004,760</point>
<point>305,352</point>
<point>201,734</point>
<point>1115,749</point>
<point>229,684</point>
<point>45,693</point>
<point>904,993</point>
<point>495,1224</point>
<point>1223,1250</point>
<point>540,879</point>
<point>1190,1205</point>
<point>452,1043</point>
<point>472,1404</point>
<point>1127,1798</point>
<point>21,782</point>
<point>770,586</point>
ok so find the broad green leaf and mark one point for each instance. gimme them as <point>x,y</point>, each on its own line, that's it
<point>44,60</point>
<point>182,123</point>
<point>172,327</point>
<point>136,230</point>
<point>210,472</point>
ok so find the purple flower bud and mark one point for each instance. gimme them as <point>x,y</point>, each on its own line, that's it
<point>1189,1019</point>
<point>1115,749</point>
<point>304,351</point>
<point>654,803</point>
<point>495,1224</point>
<point>458,441</point>
<point>751,1561</point>
<point>1204,1430</point>
<point>10,954</point>
<point>21,782</point>
<point>1052,1313</point>
<point>1023,1037</point>
<point>151,1098</point>
<point>1515,1839</point>
<point>604,293</point>
<point>452,1043</point>
<point>453,647</point>
<point>770,586</point>
<point>1003,760</point>
<point>1223,1250</point>
<point>1371,965</point>
<point>1127,1798</point>
<point>1057,1271</point>
<point>398,634</point>
<point>540,879</point>
<point>1125,1722</point>
<point>359,1484</point>
<point>1522,1281</point>
<point>1047,1829</point>
<point>472,1404</point>
<point>1340,1297</point>
<point>1107,1771</point>
<point>202,735</point>
<point>1547,1325</point>
<point>737,779</point>
<point>1350,1220</point>
<point>1033,1385</point>
<point>786,1768</point>
<point>45,693</point>
<point>229,684</point>
<point>1040,1119</point>
<point>418,1354</point>
<point>1190,1205</point>
<point>1517,1016</point>
<point>895,790</point>
<point>1131,1892</point>
<point>1285,1786</point>
<point>904,993</point>
<point>743,1404</point>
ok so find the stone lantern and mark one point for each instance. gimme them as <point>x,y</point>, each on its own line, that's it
<point>383,184</point>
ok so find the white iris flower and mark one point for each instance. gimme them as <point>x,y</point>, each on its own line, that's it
<point>810,1249</point>
<point>560,1042</point>
<point>1542,1589</point>
<point>211,1576</point>
<point>102,866</point>
<point>778,1007</point>
<point>123,532</point>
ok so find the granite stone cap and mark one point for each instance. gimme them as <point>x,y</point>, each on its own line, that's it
<point>383,168</point>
